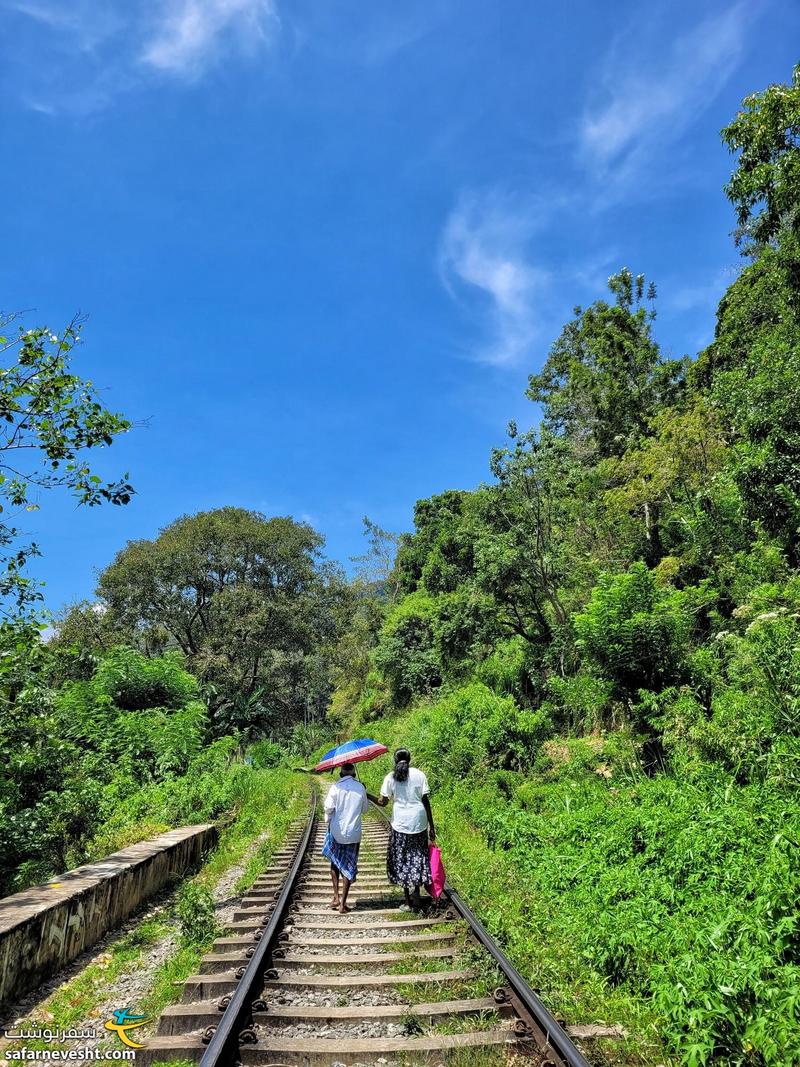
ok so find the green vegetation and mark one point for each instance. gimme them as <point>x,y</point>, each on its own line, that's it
<point>596,657</point>
<point>133,715</point>
<point>248,602</point>
<point>99,763</point>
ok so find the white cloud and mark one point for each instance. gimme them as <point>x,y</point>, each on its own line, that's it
<point>484,247</point>
<point>190,34</point>
<point>651,95</point>
<point>82,24</point>
<point>92,51</point>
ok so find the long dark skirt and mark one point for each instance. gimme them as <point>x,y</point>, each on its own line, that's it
<point>408,861</point>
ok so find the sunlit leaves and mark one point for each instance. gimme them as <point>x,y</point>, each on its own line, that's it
<point>765,186</point>
<point>49,419</point>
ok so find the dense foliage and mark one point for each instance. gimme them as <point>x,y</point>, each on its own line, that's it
<point>596,657</point>
<point>88,755</point>
<point>247,600</point>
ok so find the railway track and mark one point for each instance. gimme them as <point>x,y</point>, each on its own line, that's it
<point>294,983</point>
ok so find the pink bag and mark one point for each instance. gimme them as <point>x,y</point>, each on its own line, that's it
<point>437,873</point>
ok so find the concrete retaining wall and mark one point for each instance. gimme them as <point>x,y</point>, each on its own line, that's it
<point>45,927</point>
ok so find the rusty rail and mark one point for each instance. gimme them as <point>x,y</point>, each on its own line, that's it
<point>534,1022</point>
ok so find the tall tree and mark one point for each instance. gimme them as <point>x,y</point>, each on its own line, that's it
<point>438,553</point>
<point>604,376</point>
<point>521,557</point>
<point>752,368</point>
<point>246,598</point>
<point>375,568</point>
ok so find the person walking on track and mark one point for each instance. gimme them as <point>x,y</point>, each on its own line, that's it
<point>345,803</point>
<point>408,858</point>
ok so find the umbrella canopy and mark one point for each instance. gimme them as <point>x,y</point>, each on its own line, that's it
<point>351,752</point>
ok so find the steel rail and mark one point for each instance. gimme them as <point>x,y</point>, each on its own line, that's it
<point>524,997</point>
<point>223,1048</point>
<point>542,1026</point>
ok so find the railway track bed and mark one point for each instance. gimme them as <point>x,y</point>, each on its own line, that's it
<point>294,983</point>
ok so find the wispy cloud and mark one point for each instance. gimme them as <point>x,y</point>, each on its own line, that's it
<point>84,23</point>
<point>703,296</point>
<point>94,50</point>
<point>380,35</point>
<point>649,95</point>
<point>187,35</point>
<point>484,251</point>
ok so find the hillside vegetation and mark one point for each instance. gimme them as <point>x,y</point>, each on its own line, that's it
<point>596,656</point>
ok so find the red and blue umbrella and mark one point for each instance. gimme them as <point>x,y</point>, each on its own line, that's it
<point>351,752</point>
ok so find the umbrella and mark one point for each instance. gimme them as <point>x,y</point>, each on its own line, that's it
<point>351,752</point>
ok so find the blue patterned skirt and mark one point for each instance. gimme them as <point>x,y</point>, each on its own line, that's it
<point>343,857</point>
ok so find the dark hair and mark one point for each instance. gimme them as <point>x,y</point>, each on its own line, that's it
<point>402,761</point>
<point>348,770</point>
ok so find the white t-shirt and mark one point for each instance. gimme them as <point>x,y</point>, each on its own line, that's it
<point>408,814</point>
<point>344,805</point>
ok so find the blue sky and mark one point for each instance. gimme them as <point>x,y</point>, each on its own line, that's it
<point>322,245</point>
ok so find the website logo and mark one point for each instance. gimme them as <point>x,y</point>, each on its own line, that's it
<point>121,1022</point>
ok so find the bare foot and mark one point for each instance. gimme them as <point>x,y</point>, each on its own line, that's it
<point>344,908</point>
<point>334,904</point>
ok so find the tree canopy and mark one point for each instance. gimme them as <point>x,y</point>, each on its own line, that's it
<point>763,187</point>
<point>247,599</point>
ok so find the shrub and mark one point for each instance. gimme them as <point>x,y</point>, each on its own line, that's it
<point>375,698</point>
<point>579,701</point>
<point>638,632</point>
<point>195,911</point>
<point>473,728</point>
<point>266,754</point>
<point>305,739</point>
<point>106,715</point>
<point>753,684</point>
<point>506,669</point>
<point>134,682</point>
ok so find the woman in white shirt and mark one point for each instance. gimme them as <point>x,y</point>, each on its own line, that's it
<point>408,858</point>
